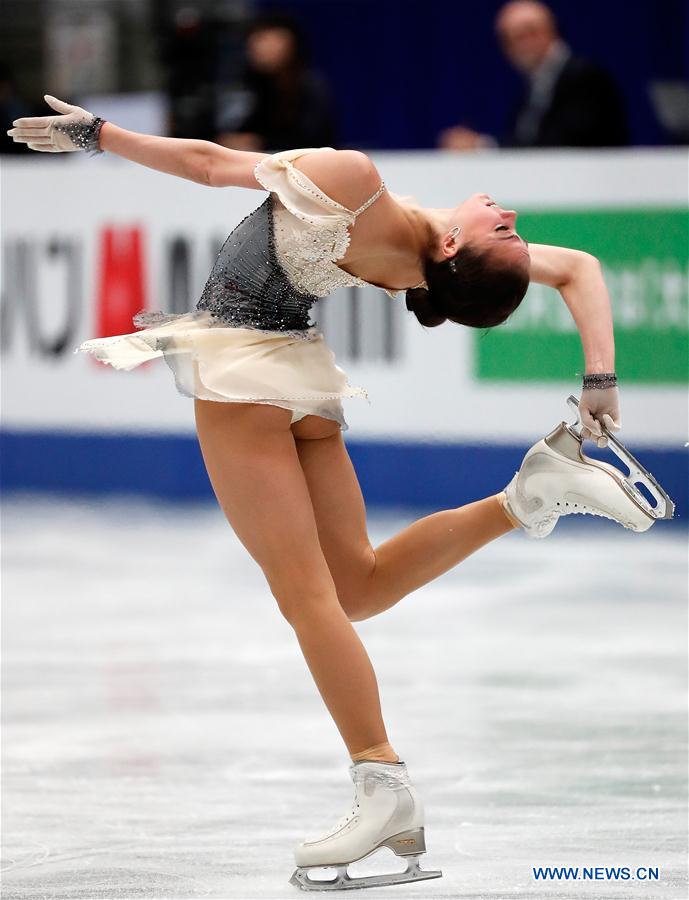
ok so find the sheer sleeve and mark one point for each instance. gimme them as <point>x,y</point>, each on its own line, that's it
<point>298,193</point>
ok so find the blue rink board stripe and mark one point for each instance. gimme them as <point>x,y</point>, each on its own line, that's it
<point>391,473</point>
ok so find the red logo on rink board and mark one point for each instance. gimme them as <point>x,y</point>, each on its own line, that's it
<point>121,290</point>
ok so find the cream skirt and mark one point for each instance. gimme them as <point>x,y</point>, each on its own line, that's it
<point>293,370</point>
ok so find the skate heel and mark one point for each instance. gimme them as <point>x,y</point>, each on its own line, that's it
<point>562,440</point>
<point>406,843</point>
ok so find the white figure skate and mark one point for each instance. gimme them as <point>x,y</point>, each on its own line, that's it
<point>556,479</point>
<point>387,812</point>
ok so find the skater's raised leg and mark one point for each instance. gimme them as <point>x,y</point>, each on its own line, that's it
<point>371,580</point>
<point>250,455</point>
<point>555,479</point>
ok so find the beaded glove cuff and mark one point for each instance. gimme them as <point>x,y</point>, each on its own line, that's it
<point>600,380</point>
<point>84,135</point>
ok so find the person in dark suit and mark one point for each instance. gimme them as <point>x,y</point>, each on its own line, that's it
<point>567,101</point>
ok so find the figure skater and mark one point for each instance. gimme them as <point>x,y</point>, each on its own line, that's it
<point>268,409</point>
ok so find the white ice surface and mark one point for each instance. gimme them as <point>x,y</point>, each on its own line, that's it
<point>163,739</point>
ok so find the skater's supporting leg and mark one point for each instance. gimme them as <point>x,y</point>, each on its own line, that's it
<point>253,466</point>
<point>369,581</point>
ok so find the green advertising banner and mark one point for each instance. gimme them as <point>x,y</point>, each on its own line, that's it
<point>645,258</point>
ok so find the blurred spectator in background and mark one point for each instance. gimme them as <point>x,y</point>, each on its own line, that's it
<point>287,104</point>
<point>11,107</point>
<point>189,55</point>
<point>567,101</point>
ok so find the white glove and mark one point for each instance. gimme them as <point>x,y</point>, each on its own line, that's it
<point>599,406</point>
<point>74,129</point>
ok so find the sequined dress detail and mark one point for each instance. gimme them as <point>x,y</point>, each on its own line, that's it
<point>250,336</point>
<point>247,286</point>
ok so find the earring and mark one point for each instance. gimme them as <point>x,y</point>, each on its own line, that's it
<point>454,231</point>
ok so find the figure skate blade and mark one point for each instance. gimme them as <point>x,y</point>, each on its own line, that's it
<point>638,474</point>
<point>343,881</point>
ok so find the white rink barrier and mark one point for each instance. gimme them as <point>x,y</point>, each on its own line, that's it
<point>86,243</point>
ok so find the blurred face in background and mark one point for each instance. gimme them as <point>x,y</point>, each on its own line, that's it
<point>270,49</point>
<point>526,31</point>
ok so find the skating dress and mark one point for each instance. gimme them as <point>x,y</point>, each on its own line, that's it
<point>250,338</point>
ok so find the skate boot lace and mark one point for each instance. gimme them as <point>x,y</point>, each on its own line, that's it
<point>338,826</point>
<point>399,779</point>
<point>565,508</point>
<point>348,817</point>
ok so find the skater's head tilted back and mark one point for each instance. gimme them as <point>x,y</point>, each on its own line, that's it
<point>476,267</point>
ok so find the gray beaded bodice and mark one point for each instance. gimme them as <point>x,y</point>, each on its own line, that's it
<point>248,287</point>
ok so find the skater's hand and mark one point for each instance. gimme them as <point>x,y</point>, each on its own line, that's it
<point>45,133</point>
<point>599,406</point>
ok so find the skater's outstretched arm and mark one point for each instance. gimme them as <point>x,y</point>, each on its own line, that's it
<point>75,128</point>
<point>579,279</point>
<point>191,159</point>
<point>348,176</point>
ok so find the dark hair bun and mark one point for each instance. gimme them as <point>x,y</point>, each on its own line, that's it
<point>419,302</point>
<point>476,290</point>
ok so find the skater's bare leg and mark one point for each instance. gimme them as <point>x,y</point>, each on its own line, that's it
<point>433,545</point>
<point>371,580</point>
<point>250,455</point>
